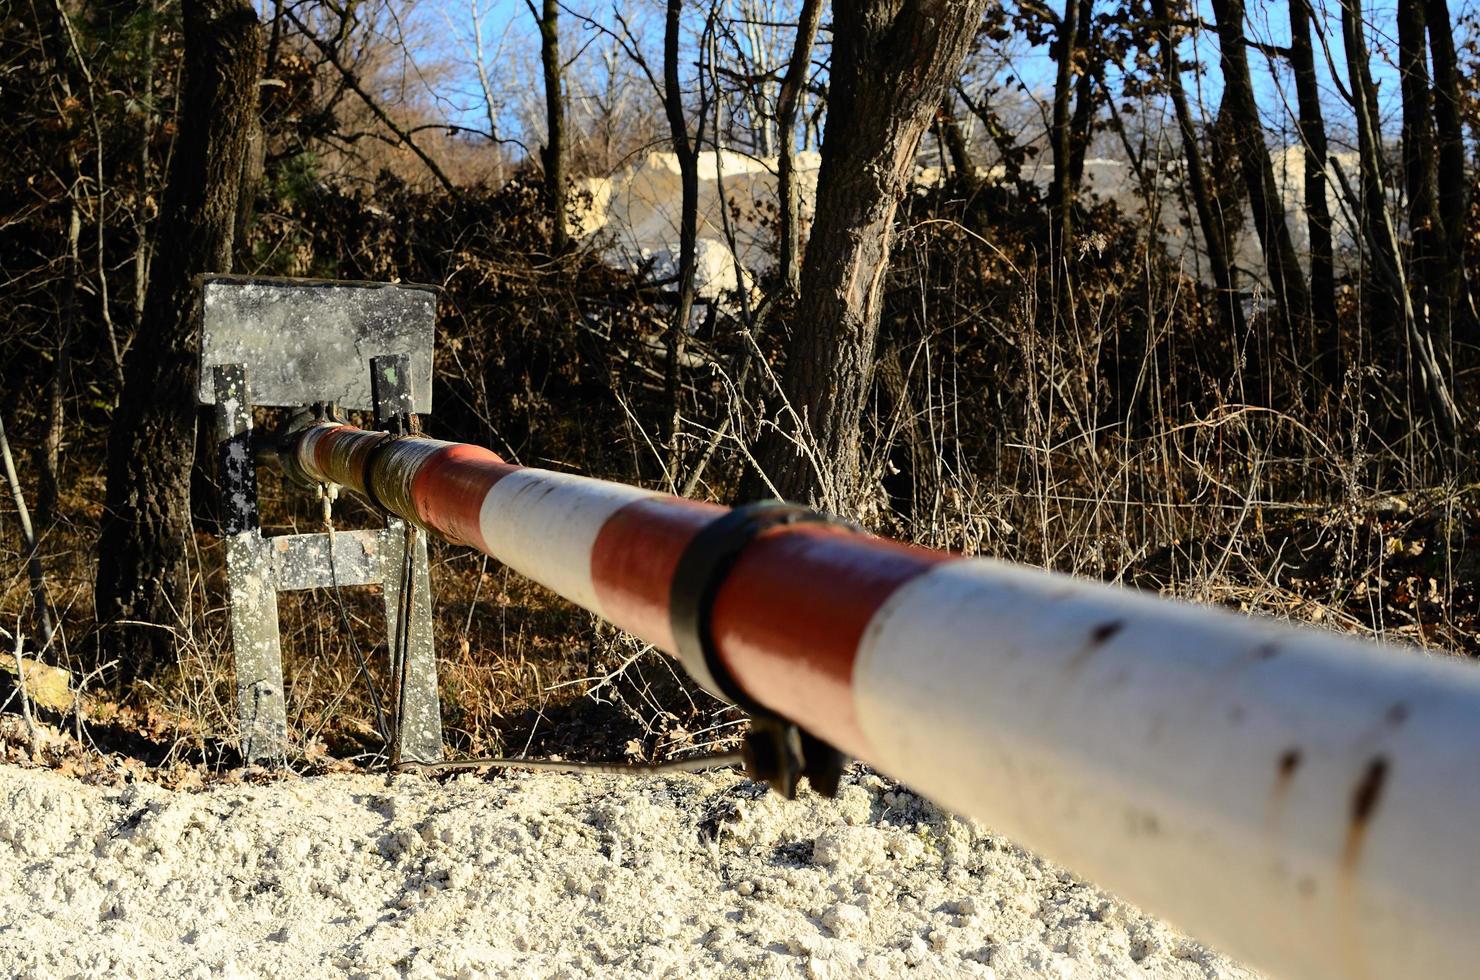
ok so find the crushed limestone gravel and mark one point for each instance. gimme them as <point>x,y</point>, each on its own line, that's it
<point>543,875</point>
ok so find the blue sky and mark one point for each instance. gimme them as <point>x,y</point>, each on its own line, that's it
<point>441,33</point>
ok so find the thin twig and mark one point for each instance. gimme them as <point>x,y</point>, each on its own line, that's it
<point>33,738</point>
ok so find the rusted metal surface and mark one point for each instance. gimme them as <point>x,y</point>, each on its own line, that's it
<point>310,340</point>
<point>305,342</point>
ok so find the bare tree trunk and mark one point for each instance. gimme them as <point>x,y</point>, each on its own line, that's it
<point>891,63</point>
<point>1431,370</point>
<point>1387,309</point>
<point>955,141</point>
<point>28,540</point>
<point>1312,127</point>
<point>1420,170</point>
<point>141,226</point>
<point>142,567</point>
<point>553,154</point>
<point>49,452</point>
<point>1210,220</point>
<point>1285,276</point>
<point>686,150</point>
<point>68,79</point>
<point>485,84</point>
<point>1081,123</point>
<point>789,241</point>
<point>1453,187</point>
<point>1062,196</point>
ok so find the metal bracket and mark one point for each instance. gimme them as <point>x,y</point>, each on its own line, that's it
<point>418,722</point>
<point>779,753</point>
<point>261,706</point>
<point>258,568</point>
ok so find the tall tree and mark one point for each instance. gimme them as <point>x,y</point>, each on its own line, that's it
<point>1388,289</point>
<point>1312,127</point>
<point>65,78</point>
<point>1420,168</point>
<point>143,547</point>
<point>1209,217</point>
<point>891,63</point>
<point>553,154</point>
<point>1285,277</point>
<point>1060,132</point>
<point>953,137</point>
<point>686,149</point>
<point>1449,126</point>
<point>1371,206</point>
<point>1086,95</point>
<point>787,102</point>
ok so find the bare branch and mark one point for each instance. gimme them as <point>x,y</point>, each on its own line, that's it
<point>354,84</point>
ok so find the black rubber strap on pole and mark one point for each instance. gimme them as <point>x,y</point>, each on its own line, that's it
<point>702,570</point>
<point>776,750</point>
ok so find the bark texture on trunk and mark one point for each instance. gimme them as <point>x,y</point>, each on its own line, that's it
<point>553,153</point>
<point>1312,128</point>
<point>891,63</point>
<point>1285,276</point>
<point>143,547</point>
<point>1209,218</point>
<point>787,101</point>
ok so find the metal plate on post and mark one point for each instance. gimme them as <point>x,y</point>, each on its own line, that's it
<point>319,561</point>
<point>308,340</point>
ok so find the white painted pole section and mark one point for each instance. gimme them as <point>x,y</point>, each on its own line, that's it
<point>544,525</point>
<point>1300,800</point>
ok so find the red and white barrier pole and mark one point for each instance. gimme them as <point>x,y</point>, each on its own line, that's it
<point>1304,801</point>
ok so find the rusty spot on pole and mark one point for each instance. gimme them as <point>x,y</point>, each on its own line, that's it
<point>1397,714</point>
<point>1266,651</point>
<point>1098,637</point>
<point>1289,762</point>
<point>1365,799</point>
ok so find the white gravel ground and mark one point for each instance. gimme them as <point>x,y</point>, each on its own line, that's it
<point>541,875</point>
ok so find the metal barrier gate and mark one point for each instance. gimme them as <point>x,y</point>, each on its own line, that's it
<point>1305,801</point>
